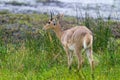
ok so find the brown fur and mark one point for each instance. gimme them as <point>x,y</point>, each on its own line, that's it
<point>73,39</point>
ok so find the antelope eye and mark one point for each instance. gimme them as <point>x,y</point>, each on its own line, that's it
<point>48,22</point>
<point>54,24</point>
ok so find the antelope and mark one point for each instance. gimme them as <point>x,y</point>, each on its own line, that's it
<point>73,40</point>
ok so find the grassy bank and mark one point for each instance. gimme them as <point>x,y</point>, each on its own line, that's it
<point>29,53</point>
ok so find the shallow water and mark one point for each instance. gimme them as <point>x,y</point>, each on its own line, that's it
<point>68,7</point>
<point>90,1</point>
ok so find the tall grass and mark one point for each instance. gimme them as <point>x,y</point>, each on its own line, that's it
<point>38,55</point>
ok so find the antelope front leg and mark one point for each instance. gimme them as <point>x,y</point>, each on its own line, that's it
<point>70,59</point>
<point>69,56</point>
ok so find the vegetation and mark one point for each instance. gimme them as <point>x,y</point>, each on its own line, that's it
<point>29,53</point>
<point>15,3</point>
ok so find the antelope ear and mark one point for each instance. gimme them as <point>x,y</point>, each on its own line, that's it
<point>60,16</point>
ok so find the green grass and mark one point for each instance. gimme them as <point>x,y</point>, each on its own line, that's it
<point>38,55</point>
<point>60,72</point>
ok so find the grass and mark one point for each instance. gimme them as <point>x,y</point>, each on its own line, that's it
<point>29,53</point>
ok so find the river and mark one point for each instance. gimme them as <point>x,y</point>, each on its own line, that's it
<point>69,7</point>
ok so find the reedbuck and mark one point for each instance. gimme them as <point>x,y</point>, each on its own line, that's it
<point>73,40</point>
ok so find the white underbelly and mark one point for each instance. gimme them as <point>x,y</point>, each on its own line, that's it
<point>71,46</point>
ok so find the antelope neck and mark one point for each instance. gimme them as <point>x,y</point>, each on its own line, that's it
<point>58,31</point>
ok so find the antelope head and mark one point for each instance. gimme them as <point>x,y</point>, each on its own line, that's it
<point>53,22</point>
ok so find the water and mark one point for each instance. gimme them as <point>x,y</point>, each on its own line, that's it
<point>68,7</point>
<point>89,1</point>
